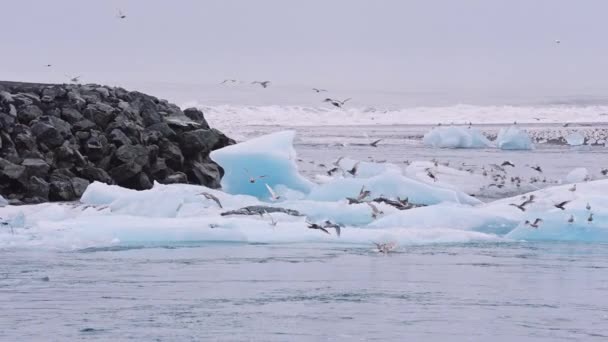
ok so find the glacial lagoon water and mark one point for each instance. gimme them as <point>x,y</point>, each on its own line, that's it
<point>196,290</point>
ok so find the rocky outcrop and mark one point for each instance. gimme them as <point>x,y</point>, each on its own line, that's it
<point>56,139</point>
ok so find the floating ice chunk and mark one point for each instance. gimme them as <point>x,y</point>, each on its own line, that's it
<point>454,216</point>
<point>513,138</point>
<point>456,137</point>
<point>389,184</point>
<point>3,201</point>
<point>269,159</point>
<point>580,174</point>
<point>98,193</point>
<point>575,139</point>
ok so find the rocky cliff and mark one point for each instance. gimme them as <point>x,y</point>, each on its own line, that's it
<point>56,139</point>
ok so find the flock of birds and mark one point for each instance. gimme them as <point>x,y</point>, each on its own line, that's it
<point>264,84</point>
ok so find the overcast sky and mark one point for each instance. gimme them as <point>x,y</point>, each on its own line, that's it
<point>489,46</point>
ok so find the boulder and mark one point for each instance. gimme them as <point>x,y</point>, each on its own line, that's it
<point>197,116</point>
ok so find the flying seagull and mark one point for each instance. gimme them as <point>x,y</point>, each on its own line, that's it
<point>537,168</point>
<point>316,226</point>
<point>121,15</point>
<point>385,247</point>
<point>507,163</point>
<point>229,81</point>
<point>73,79</point>
<point>273,195</point>
<point>375,143</point>
<point>337,227</point>
<point>557,41</point>
<point>561,205</point>
<point>336,103</point>
<point>522,206</point>
<point>212,197</point>
<point>48,65</point>
<point>375,211</point>
<point>534,224</point>
<point>571,219</point>
<point>273,222</point>
<point>353,171</point>
<point>253,179</point>
<point>264,84</point>
<point>317,90</point>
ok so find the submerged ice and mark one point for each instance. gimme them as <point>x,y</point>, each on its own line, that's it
<point>441,212</point>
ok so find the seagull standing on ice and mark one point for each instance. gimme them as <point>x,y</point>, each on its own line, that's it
<point>571,219</point>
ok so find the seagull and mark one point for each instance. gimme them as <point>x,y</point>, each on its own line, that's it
<point>316,226</point>
<point>337,227</point>
<point>337,162</point>
<point>557,41</point>
<point>534,224</point>
<point>590,218</point>
<point>375,143</point>
<point>522,206</point>
<point>353,171</point>
<point>264,84</point>
<point>48,65</point>
<point>375,211</point>
<point>363,193</point>
<point>430,174</point>
<point>336,103</point>
<point>537,168</point>
<point>588,207</point>
<point>385,247</point>
<point>273,195</point>
<point>121,15</point>
<point>331,172</point>
<point>317,90</point>
<point>73,79</point>
<point>212,197</point>
<point>253,179</point>
<point>561,205</point>
<point>229,81</point>
<point>573,188</point>
<point>571,219</point>
<point>604,172</point>
<point>507,163</point>
<point>273,222</point>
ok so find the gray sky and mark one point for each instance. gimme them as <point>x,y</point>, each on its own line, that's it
<point>483,46</point>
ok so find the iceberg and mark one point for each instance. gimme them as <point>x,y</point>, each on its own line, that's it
<point>456,137</point>
<point>575,139</point>
<point>269,159</point>
<point>109,215</point>
<point>389,184</point>
<point>580,174</point>
<point>513,138</point>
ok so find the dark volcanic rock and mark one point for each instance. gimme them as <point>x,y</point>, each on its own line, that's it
<point>197,116</point>
<point>56,139</point>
